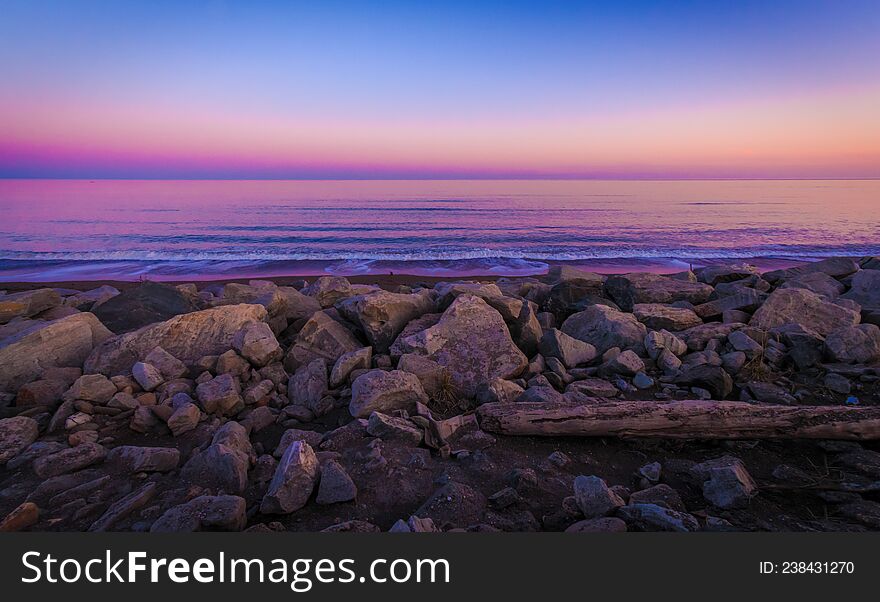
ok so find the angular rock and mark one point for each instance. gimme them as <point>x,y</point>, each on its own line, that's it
<point>169,366</point>
<point>360,359</point>
<point>308,386</point>
<point>27,354</point>
<point>854,344</point>
<point>320,337</point>
<point>27,303</point>
<point>657,316</point>
<point>434,377</point>
<point>69,460</point>
<point>570,351</point>
<point>293,482</point>
<point>146,375</point>
<point>147,303</point>
<point>472,341</point>
<point>818,282</point>
<point>651,517</point>
<point>626,363</point>
<point>497,390</point>
<point>729,486</point>
<point>187,337</point>
<point>800,306</point>
<point>336,486</point>
<point>604,328</point>
<point>184,419</point>
<point>630,289</point>
<point>221,395</point>
<point>219,466</point>
<point>715,274</point>
<point>16,434</point>
<point>144,459</point>
<point>91,298</point>
<point>661,495</point>
<point>605,524</point>
<point>327,290</point>
<point>383,315</point>
<point>257,344</point>
<point>96,388</point>
<point>399,347</point>
<point>837,267</point>
<point>746,299</point>
<point>23,516</point>
<point>455,504</point>
<point>865,289</point>
<point>594,387</point>
<point>313,438</point>
<point>712,378</point>
<point>594,498</point>
<point>204,513</point>
<point>385,391</point>
<point>447,292</point>
<point>658,340</point>
<point>391,428</point>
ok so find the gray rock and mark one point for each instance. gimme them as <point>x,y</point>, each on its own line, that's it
<point>571,351</point>
<point>837,383</point>
<point>184,419</point>
<point>800,306</point>
<point>651,517</point>
<point>729,486</point>
<point>836,267</point>
<point>594,498</point>
<point>385,391</point>
<point>659,317</point>
<point>169,366</point>
<point>661,495</point>
<point>257,344</point>
<point>391,428</point>
<point>96,388</point>
<point>16,434</point>
<point>625,362</point>
<point>320,337</point>
<point>313,438</point>
<point>498,390</point>
<point>604,328</point>
<point>383,315</point>
<point>27,303</point>
<point>817,282</point>
<point>69,460</point>
<point>656,341</point>
<point>308,386</point>
<point>712,378</point>
<point>207,512</point>
<point>630,289</point>
<point>605,524</point>
<point>220,395</point>
<point>327,290</point>
<point>146,375</point>
<point>144,459</point>
<point>336,486</point>
<point>472,341</point>
<point>294,480</point>
<point>854,344</point>
<point>360,359</point>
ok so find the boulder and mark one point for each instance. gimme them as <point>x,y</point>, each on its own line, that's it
<point>593,387</point>
<point>27,354</point>
<point>219,467</point>
<point>16,434</point>
<point>698,337</point>
<point>712,378</point>
<point>594,498</point>
<point>569,350</point>
<point>147,303</point>
<point>382,315</point>
<point>399,347</point>
<point>447,292</point>
<point>626,363</point>
<point>604,328</point>
<point>169,366</point>
<point>69,460</point>
<point>320,337</point>
<point>865,289</point>
<point>659,317</point>
<point>308,385</point>
<point>385,391</point>
<point>715,274</point>
<point>434,377</point>
<point>313,438</point>
<point>728,483</point>
<point>146,375</point>
<point>651,517</point>
<point>498,390</point>
<point>92,298</point>
<point>207,512</point>
<point>294,480</point>
<point>256,343</point>
<point>187,337</point>
<point>184,419</point>
<point>472,341</point>
<point>336,486</point>
<point>360,359</point>
<point>135,458</point>
<point>96,388</point>
<point>630,289</point>
<point>818,282</point>
<point>661,495</point>
<point>746,299</point>
<point>27,303</point>
<point>836,267</point>
<point>392,428</point>
<point>328,290</point>
<point>800,306</point>
<point>854,344</point>
<point>656,341</point>
<point>220,395</point>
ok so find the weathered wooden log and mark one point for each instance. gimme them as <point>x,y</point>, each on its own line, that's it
<point>681,420</point>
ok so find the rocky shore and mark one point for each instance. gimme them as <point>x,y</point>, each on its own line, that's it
<point>723,399</point>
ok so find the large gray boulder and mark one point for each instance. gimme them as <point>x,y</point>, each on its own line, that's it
<point>837,267</point>
<point>308,385</point>
<point>40,346</point>
<point>605,327</point>
<point>385,391</point>
<point>569,350</point>
<point>473,342</point>
<point>16,434</point>
<point>327,290</point>
<point>657,316</point>
<point>320,337</point>
<point>146,303</point>
<point>207,512</point>
<point>294,480</point>
<point>865,289</point>
<point>383,315</point>
<point>187,337</point>
<point>800,306</point>
<point>854,344</point>
<point>27,303</point>
<point>642,287</point>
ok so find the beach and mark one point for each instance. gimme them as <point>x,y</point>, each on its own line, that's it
<point>706,400</point>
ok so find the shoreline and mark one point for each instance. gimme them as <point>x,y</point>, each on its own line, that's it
<point>398,276</point>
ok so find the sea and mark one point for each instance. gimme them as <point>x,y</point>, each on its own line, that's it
<point>75,230</point>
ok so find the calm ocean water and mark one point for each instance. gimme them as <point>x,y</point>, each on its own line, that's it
<point>66,230</point>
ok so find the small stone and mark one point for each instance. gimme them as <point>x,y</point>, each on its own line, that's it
<point>643,381</point>
<point>336,486</point>
<point>25,515</point>
<point>147,376</point>
<point>184,419</point>
<point>594,498</point>
<point>220,395</point>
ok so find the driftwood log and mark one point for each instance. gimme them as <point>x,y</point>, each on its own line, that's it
<point>681,420</point>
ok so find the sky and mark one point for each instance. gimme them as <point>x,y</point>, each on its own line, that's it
<point>413,89</point>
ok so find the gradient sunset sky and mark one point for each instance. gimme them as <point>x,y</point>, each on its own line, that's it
<point>171,89</point>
